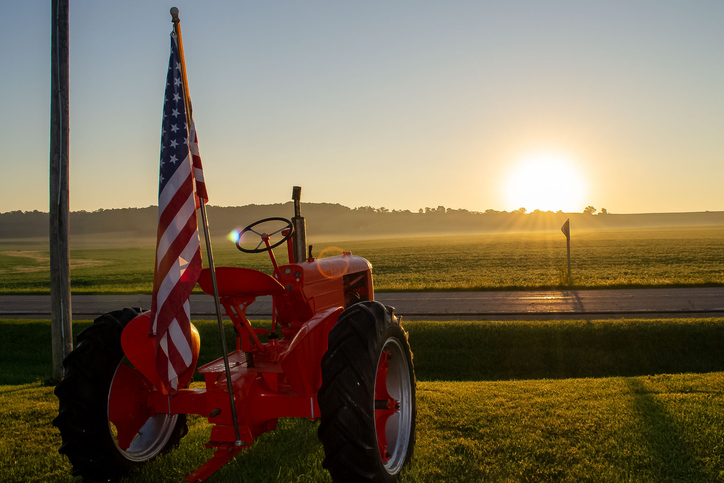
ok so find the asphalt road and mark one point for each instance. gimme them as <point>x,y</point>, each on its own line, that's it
<point>640,303</point>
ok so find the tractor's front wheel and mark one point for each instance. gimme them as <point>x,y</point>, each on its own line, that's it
<point>367,398</point>
<point>106,428</point>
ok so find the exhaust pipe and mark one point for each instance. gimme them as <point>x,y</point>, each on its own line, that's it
<point>299,240</point>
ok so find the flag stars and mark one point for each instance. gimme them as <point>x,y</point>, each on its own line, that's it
<point>174,143</point>
<point>177,81</point>
<point>174,128</point>
<point>173,159</point>
<point>174,113</point>
<point>176,97</point>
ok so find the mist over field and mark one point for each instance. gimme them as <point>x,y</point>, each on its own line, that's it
<point>335,221</point>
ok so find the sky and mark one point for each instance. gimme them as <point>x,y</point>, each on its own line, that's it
<point>551,105</point>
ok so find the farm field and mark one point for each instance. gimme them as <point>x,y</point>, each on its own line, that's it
<point>514,401</point>
<point>670,257</point>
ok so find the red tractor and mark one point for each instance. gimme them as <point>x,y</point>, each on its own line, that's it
<point>332,353</point>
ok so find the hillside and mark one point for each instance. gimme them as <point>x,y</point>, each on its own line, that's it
<point>337,221</point>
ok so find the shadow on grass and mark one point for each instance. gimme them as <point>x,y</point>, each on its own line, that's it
<point>670,458</point>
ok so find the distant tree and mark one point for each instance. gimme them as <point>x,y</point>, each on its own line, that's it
<point>520,210</point>
<point>590,210</point>
<point>441,210</point>
<point>383,210</point>
<point>604,211</point>
<point>365,209</point>
<point>420,210</point>
<point>488,211</point>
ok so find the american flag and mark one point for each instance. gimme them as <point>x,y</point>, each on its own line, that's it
<point>178,251</point>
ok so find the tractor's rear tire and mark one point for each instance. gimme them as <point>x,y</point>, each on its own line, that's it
<point>368,363</point>
<point>83,421</point>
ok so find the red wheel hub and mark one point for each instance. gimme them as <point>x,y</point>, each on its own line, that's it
<point>385,405</point>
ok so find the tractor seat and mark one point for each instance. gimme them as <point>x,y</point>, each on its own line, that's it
<point>240,282</point>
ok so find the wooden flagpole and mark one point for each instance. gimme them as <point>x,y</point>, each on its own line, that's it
<point>204,221</point>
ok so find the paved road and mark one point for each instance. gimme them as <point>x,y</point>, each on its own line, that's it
<point>675,302</point>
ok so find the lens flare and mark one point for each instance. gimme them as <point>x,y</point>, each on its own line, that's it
<point>328,262</point>
<point>234,236</point>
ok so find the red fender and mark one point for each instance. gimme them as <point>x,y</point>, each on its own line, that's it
<point>140,349</point>
<point>303,361</point>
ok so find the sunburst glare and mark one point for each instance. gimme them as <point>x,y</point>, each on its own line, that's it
<point>546,183</point>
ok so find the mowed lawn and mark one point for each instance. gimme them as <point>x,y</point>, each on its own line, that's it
<point>666,428</point>
<point>691,256</point>
<point>496,402</point>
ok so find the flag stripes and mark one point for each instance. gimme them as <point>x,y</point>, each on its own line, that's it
<point>178,250</point>
<point>196,161</point>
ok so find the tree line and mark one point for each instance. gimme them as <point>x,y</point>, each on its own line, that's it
<point>327,219</point>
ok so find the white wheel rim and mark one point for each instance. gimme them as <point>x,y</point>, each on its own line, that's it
<point>150,439</point>
<point>399,425</point>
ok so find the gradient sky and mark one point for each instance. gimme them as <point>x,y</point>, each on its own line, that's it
<point>402,104</point>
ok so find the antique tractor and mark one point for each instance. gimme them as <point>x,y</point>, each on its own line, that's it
<point>332,353</point>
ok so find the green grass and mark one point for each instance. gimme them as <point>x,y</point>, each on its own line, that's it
<point>665,428</point>
<point>662,257</point>
<point>491,350</point>
<point>497,401</point>
<point>467,350</point>
<point>657,429</point>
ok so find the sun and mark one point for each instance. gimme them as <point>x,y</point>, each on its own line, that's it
<point>545,182</point>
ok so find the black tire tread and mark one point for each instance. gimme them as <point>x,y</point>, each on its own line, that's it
<point>347,428</point>
<point>82,394</point>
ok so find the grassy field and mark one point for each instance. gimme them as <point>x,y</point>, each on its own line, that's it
<point>518,401</point>
<point>613,259</point>
<point>666,428</point>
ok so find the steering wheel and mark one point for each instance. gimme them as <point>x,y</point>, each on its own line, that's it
<point>265,237</point>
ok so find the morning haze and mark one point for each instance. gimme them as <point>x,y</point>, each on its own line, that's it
<point>325,221</point>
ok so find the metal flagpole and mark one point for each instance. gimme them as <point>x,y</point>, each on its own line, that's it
<point>205,223</point>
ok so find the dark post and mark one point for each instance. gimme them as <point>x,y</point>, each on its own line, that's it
<point>566,229</point>
<point>300,227</point>
<point>61,329</point>
<point>568,246</point>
